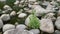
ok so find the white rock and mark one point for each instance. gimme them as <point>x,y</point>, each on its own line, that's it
<point>1,23</point>
<point>35,31</point>
<point>8,27</point>
<point>46,25</point>
<point>50,8</point>
<point>7,7</point>
<point>32,0</point>
<point>58,0</point>
<point>57,23</point>
<point>13,13</point>
<point>5,17</point>
<point>39,10</point>
<point>14,31</point>
<point>16,3</point>
<point>45,3</point>
<point>22,15</point>
<point>21,27</point>
<point>50,16</point>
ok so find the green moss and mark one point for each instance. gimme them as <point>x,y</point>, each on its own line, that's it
<point>34,21</point>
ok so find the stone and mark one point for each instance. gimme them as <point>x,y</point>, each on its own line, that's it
<point>57,32</point>
<point>32,0</point>
<point>7,7</point>
<point>58,13</point>
<point>39,10</point>
<point>57,23</point>
<point>5,17</point>
<point>50,16</point>
<point>22,15</point>
<point>21,27</point>
<point>13,13</point>
<point>46,25</point>
<point>50,8</point>
<point>8,27</point>
<point>16,3</point>
<point>1,23</point>
<point>35,31</point>
<point>14,31</point>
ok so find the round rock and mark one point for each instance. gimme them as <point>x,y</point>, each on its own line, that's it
<point>8,27</point>
<point>5,17</point>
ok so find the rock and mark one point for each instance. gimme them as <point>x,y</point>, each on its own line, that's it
<point>8,27</point>
<point>16,3</point>
<point>50,16</point>
<point>5,17</point>
<point>1,23</point>
<point>20,11</point>
<point>14,31</point>
<point>46,25</point>
<point>39,10</point>
<point>45,3</point>
<point>57,23</point>
<point>57,32</point>
<point>32,0</point>
<point>21,27</point>
<point>13,13</point>
<point>6,7</point>
<point>58,0</point>
<point>35,31</point>
<point>58,13</point>
<point>50,8</point>
<point>22,15</point>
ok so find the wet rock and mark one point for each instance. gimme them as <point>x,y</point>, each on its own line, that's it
<point>35,31</point>
<point>58,13</point>
<point>57,23</point>
<point>13,13</point>
<point>5,17</point>
<point>21,27</point>
<point>32,0</point>
<point>22,15</point>
<point>8,27</point>
<point>16,3</point>
<point>57,32</point>
<point>46,25</point>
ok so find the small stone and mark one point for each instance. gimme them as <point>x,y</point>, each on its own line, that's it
<point>6,7</point>
<point>58,13</point>
<point>21,27</point>
<point>8,27</point>
<point>5,17</point>
<point>16,3</point>
<point>35,31</point>
<point>46,25</point>
<point>22,15</point>
<point>13,13</point>
<point>57,32</point>
<point>57,23</point>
